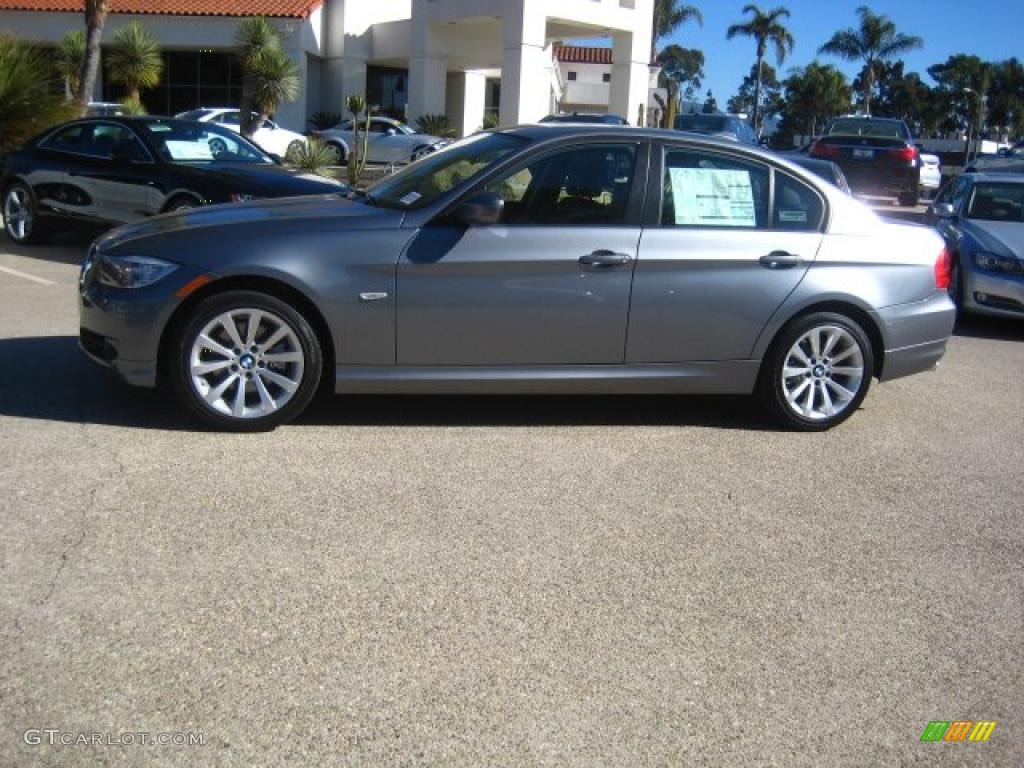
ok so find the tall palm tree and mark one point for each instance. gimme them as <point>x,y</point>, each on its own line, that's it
<point>255,38</point>
<point>70,59</point>
<point>95,18</point>
<point>669,15</point>
<point>874,41</point>
<point>765,27</point>
<point>134,60</point>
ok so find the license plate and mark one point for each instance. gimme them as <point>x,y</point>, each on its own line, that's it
<point>864,154</point>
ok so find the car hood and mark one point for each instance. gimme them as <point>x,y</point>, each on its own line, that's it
<point>265,179</point>
<point>251,219</point>
<point>1004,237</point>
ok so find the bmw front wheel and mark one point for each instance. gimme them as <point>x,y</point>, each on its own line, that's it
<point>246,362</point>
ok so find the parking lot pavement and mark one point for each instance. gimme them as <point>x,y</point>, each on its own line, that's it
<point>511,581</point>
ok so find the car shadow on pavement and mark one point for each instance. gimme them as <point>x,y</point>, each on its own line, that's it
<point>64,248</point>
<point>992,328</point>
<point>48,378</point>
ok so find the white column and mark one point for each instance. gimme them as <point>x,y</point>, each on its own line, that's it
<point>427,75</point>
<point>526,68</point>
<point>353,81</point>
<point>467,92</point>
<point>630,74</point>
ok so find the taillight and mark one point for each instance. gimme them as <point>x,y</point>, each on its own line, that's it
<point>820,149</point>
<point>943,268</point>
<point>904,153</point>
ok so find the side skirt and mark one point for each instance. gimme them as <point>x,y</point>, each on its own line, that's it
<point>730,377</point>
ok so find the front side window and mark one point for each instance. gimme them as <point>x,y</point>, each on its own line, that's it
<point>589,186</point>
<point>178,141</point>
<point>704,189</point>
<point>997,202</point>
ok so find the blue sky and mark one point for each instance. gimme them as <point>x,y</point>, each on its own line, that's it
<point>991,29</point>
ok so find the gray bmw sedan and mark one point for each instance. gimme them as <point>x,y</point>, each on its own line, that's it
<point>539,259</point>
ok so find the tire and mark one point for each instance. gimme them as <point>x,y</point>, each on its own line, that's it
<point>181,203</point>
<point>796,401</point>
<point>339,153</point>
<point>218,146</point>
<point>908,199</point>
<point>208,376</point>
<point>956,285</point>
<point>21,215</point>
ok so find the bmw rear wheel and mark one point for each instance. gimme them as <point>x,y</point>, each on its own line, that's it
<point>818,372</point>
<point>246,362</point>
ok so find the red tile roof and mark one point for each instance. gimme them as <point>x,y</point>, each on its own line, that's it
<point>297,9</point>
<point>578,54</point>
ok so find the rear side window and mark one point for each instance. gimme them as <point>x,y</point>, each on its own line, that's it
<point>797,206</point>
<point>704,189</point>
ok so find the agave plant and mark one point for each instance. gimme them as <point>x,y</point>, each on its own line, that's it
<point>28,102</point>
<point>70,60</point>
<point>435,125</point>
<point>313,156</point>
<point>134,60</point>
<point>321,121</point>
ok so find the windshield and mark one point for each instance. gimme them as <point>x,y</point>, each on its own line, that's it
<point>426,180</point>
<point>997,202</point>
<point>193,114</point>
<point>181,141</point>
<point>703,123</point>
<point>877,129</point>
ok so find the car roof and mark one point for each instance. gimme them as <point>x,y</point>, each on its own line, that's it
<point>996,177</point>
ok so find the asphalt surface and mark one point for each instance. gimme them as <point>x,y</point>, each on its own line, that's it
<point>512,581</point>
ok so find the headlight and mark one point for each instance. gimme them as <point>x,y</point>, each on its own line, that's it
<point>132,271</point>
<point>996,263</point>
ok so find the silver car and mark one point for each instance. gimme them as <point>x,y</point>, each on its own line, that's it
<point>539,259</point>
<point>981,218</point>
<point>390,141</point>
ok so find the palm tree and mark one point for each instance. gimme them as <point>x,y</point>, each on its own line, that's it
<point>28,101</point>
<point>668,17</point>
<point>255,37</point>
<point>95,18</point>
<point>874,41</point>
<point>134,60</point>
<point>765,27</point>
<point>70,60</point>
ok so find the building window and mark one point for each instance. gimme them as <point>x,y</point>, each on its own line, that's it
<point>572,75</point>
<point>190,79</point>
<point>386,87</point>
<point>606,77</point>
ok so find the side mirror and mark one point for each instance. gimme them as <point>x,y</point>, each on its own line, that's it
<point>943,211</point>
<point>483,208</point>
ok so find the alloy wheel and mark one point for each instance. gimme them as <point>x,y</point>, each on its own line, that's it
<point>246,363</point>
<point>19,215</point>
<point>822,372</point>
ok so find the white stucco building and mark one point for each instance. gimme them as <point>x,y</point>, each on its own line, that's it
<point>410,57</point>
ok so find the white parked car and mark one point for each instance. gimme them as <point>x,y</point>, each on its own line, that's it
<point>390,141</point>
<point>931,174</point>
<point>270,136</point>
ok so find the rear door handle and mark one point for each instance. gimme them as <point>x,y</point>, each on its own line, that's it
<point>780,260</point>
<point>605,258</point>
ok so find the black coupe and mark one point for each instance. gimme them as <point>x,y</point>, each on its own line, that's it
<point>107,171</point>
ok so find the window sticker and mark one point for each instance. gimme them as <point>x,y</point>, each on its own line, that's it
<point>712,197</point>
<point>791,217</point>
<point>410,198</point>
<point>189,150</point>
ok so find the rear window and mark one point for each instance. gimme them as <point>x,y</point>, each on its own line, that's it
<point>877,129</point>
<point>703,123</point>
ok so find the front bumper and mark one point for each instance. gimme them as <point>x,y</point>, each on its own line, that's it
<point>990,293</point>
<point>120,329</point>
<point>915,335</point>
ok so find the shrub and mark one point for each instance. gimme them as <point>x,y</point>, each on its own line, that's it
<point>435,125</point>
<point>490,121</point>
<point>313,156</point>
<point>30,100</point>
<point>321,121</point>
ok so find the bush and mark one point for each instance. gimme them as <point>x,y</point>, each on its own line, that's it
<point>435,125</point>
<point>30,101</point>
<point>313,156</point>
<point>321,121</point>
<point>490,121</point>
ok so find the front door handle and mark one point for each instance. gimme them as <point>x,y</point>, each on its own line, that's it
<point>780,260</point>
<point>605,258</point>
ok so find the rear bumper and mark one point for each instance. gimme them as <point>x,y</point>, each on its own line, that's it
<point>868,179</point>
<point>915,335</point>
